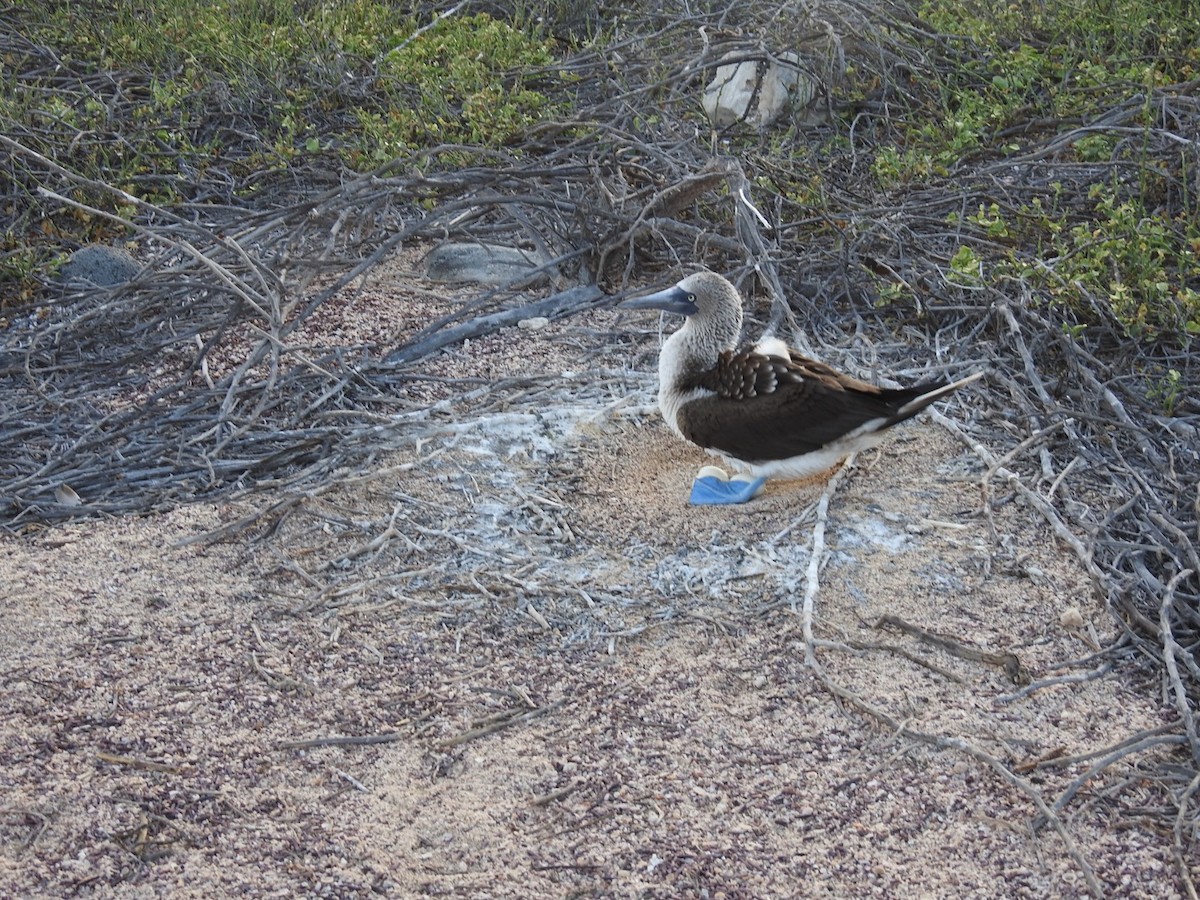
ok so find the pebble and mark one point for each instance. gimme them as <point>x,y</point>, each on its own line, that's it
<point>1071,617</point>
<point>99,265</point>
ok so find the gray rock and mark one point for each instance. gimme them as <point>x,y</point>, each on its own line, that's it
<point>100,266</point>
<point>480,263</point>
<point>780,83</point>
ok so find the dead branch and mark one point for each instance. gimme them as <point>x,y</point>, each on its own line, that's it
<point>816,556</point>
<point>1006,661</point>
<point>504,720</point>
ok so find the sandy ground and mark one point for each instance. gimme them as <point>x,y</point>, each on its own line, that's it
<point>512,662</point>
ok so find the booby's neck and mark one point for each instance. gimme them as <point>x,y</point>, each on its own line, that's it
<point>688,354</point>
<point>694,348</point>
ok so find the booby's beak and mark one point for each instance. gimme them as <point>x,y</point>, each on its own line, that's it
<point>674,299</point>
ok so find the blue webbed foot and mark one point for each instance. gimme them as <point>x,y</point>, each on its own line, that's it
<point>713,487</point>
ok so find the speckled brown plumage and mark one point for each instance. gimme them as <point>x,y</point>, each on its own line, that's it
<point>744,376</point>
<point>766,408</point>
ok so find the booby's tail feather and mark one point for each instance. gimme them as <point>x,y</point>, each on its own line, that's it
<point>915,405</point>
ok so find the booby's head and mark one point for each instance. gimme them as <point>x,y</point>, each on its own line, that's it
<point>711,304</point>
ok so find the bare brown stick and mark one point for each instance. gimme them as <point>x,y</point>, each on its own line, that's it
<point>278,682</point>
<point>909,655</point>
<point>1179,849</point>
<point>567,302</point>
<point>342,741</point>
<point>812,574</point>
<point>135,763</point>
<point>1171,652</point>
<point>1006,661</point>
<point>1077,678</point>
<point>499,725</point>
<point>553,796</point>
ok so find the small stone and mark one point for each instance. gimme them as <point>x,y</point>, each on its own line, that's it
<point>781,83</point>
<point>533,323</point>
<point>99,265</point>
<point>1071,617</point>
<point>66,496</point>
<point>481,263</point>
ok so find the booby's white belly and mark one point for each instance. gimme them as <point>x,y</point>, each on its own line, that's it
<point>670,362</point>
<point>814,462</point>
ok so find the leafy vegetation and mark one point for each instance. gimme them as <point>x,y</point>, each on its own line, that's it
<point>1091,71</point>
<point>158,98</point>
<point>304,71</point>
<point>164,99</point>
<point>461,85</point>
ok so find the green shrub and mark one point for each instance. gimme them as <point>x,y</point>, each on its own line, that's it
<point>1069,62</point>
<point>155,97</point>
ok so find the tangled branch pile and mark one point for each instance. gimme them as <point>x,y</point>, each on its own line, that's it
<point>111,405</point>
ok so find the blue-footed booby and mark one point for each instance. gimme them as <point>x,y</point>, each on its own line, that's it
<point>768,411</point>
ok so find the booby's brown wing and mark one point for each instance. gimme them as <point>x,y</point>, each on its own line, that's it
<point>766,408</point>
